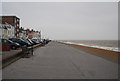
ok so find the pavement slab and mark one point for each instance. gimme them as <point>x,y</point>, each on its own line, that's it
<point>60,61</point>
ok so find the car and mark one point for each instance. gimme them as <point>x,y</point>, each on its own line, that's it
<point>20,41</point>
<point>36,40</point>
<point>29,42</point>
<point>13,45</point>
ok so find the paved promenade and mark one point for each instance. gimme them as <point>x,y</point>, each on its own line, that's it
<point>59,61</point>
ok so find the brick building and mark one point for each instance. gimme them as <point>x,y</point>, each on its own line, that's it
<point>30,33</point>
<point>33,34</point>
<point>14,21</point>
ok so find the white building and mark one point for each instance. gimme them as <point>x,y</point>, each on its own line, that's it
<point>1,29</point>
<point>8,31</point>
<point>37,35</point>
<point>22,33</point>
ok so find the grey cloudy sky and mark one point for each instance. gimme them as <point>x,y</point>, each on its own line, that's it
<point>68,20</point>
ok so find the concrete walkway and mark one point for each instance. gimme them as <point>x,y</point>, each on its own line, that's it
<point>59,61</point>
<point>8,54</point>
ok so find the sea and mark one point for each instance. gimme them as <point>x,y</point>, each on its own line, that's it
<point>102,44</point>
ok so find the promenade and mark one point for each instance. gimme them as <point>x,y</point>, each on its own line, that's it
<point>60,61</point>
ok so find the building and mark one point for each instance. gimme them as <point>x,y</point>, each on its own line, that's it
<point>22,33</point>
<point>7,31</point>
<point>29,33</point>
<point>1,29</point>
<point>37,35</point>
<point>14,21</point>
<point>33,34</point>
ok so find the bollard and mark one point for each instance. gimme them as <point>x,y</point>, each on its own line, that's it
<point>27,51</point>
<point>31,50</point>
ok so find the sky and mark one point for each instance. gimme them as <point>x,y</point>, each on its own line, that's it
<point>67,20</point>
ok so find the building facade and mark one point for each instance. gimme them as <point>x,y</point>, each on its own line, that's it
<point>33,34</point>
<point>14,21</point>
<point>37,35</point>
<point>1,29</point>
<point>7,31</point>
<point>22,33</point>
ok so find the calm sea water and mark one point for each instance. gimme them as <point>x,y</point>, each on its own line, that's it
<point>103,44</point>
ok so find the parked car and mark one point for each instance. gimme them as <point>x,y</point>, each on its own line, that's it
<point>29,42</point>
<point>36,40</point>
<point>13,45</point>
<point>45,41</point>
<point>20,41</point>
